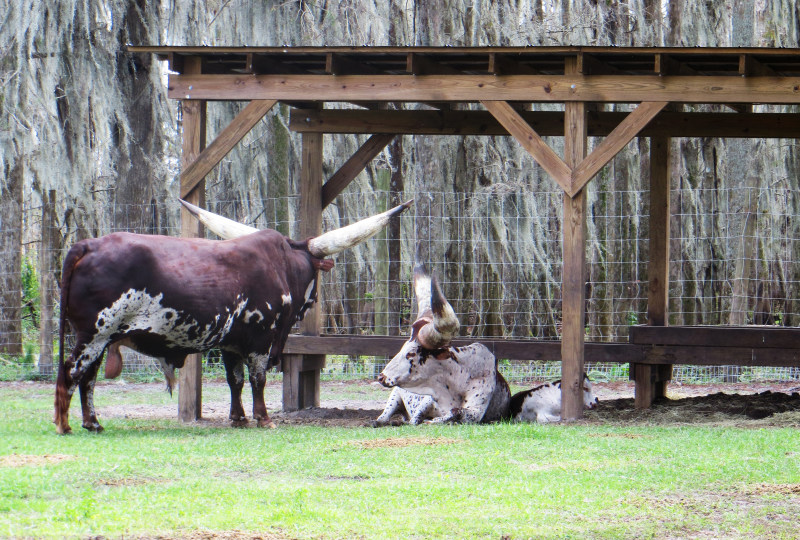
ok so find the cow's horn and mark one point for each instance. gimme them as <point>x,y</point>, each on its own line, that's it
<point>346,237</point>
<point>422,289</point>
<point>440,332</point>
<point>223,227</point>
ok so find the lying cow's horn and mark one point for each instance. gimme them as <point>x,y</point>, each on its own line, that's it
<point>445,323</point>
<point>223,227</point>
<point>422,289</point>
<point>346,237</point>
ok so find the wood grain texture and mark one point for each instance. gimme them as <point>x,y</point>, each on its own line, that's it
<point>531,141</point>
<point>463,87</point>
<point>229,137</point>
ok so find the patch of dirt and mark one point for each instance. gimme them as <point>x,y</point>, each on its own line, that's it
<point>23,460</point>
<point>772,489</point>
<point>221,535</point>
<point>130,482</point>
<point>357,404</point>
<point>400,442</point>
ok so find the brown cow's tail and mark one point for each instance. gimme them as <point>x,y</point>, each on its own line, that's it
<point>61,417</point>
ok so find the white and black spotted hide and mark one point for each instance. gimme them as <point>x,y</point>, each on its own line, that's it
<point>543,403</point>
<point>454,384</point>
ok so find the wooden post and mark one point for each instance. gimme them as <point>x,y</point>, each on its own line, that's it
<point>193,142</point>
<point>573,290</point>
<point>46,285</point>
<point>301,372</point>
<point>651,380</point>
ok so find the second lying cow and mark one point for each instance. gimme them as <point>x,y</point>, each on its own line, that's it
<point>432,379</point>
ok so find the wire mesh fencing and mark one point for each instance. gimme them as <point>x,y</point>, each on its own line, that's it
<point>497,256</point>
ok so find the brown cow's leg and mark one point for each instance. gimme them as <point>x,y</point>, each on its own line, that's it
<point>234,373</point>
<point>64,389</point>
<point>86,387</point>
<point>257,382</point>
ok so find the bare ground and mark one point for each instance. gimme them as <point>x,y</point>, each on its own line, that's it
<point>356,404</point>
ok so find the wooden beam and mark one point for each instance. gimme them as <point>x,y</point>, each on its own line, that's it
<point>353,166</point>
<point>531,141</point>
<point>750,67</point>
<point>573,280</point>
<point>465,87</point>
<point>301,384</point>
<point>223,143</point>
<point>504,349</point>
<point>762,337</point>
<point>545,123</point>
<point>721,356</point>
<point>501,64</point>
<point>650,381</point>
<point>190,388</point>
<point>611,145</point>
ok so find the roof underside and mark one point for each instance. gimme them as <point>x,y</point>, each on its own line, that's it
<point>709,61</point>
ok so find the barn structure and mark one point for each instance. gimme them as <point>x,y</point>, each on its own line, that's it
<point>497,82</point>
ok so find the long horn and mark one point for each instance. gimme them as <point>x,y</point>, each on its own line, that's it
<point>223,227</point>
<point>335,241</point>
<point>445,325</point>
<point>422,289</point>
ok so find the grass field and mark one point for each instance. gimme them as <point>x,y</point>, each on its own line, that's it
<point>148,477</point>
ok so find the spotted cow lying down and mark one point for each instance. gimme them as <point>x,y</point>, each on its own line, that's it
<point>435,381</point>
<point>543,403</point>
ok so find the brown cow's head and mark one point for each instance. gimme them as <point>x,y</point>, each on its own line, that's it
<point>431,333</point>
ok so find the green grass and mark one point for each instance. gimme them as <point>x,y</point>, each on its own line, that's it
<point>159,477</point>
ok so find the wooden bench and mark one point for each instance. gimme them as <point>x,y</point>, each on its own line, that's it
<point>663,346</point>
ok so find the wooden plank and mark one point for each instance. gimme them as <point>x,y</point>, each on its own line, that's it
<point>644,385</point>
<point>545,123</point>
<point>229,137</point>
<point>531,141</point>
<point>762,337</point>
<point>353,166</point>
<point>190,393</point>
<point>614,143</point>
<point>658,267</point>
<point>573,288</point>
<point>301,386</point>
<point>721,356</point>
<point>505,349</point>
<point>526,88</point>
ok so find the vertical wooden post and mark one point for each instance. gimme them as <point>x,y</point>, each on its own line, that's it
<point>650,380</point>
<point>46,285</point>
<point>573,291</point>
<point>301,372</point>
<point>193,142</point>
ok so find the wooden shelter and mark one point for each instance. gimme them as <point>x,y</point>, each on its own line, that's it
<point>503,80</point>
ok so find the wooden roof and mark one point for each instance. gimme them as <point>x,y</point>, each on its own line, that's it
<point>300,75</point>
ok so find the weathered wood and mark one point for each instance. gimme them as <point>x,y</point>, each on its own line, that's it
<point>527,88</point>
<point>644,385</point>
<point>229,137</point>
<point>353,166</point>
<point>658,267</point>
<point>614,143</point>
<point>760,337</point>
<point>190,394</point>
<point>573,290</point>
<point>505,349</point>
<point>721,356</point>
<point>531,141</point>
<point>301,385</point>
<point>545,123</point>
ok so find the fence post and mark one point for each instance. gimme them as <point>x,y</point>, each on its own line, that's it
<point>46,286</point>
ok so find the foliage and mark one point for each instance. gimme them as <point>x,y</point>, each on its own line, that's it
<point>155,477</point>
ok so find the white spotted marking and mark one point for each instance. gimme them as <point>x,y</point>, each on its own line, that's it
<point>286,298</point>
<point>248,315</point>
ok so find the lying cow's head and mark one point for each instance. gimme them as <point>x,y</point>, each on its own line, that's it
<point>589,399</point>
<point>431,334</point>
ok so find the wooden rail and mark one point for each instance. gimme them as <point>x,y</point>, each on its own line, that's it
<point>689,345</point>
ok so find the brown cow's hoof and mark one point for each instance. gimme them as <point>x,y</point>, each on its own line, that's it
<point>61,430</point>
<point>267,423</point>
<point>93,428</point>
<point>240,422</point>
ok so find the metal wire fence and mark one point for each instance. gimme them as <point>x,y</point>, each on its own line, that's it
<point>497,255</point>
